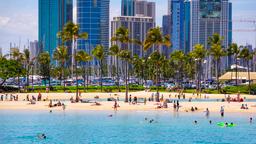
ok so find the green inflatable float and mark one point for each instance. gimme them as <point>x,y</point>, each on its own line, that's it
<point>222,124</point>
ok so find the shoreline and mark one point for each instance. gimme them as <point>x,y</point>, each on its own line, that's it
<point>210,103</point>
<point>214,107</point>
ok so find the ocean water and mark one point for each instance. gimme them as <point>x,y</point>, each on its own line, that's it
<point>125,127</point>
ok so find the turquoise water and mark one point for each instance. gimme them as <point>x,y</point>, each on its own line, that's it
<point>91,127</point>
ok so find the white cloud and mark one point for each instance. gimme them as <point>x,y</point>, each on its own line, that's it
<point>4,21</point>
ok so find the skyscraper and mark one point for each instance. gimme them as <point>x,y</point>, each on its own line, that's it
<point>34,49</point>
<point>138,28</point>
<point>206,18</point>
<point>127,8</point>
<point>177,24</point>
<point>53,15</point>
<point>138,8</point>
<point>166,29</point>
<point>93,18</point>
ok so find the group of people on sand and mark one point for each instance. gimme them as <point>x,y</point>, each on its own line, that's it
<point>11,97</point>
<point>56,104</point>
<point>176,105</point>
<point>236,99</point>
<point>134,100</point>
<point>244,106</point>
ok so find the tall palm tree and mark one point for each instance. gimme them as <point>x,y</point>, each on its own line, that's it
<point>178,59</point>
<point>27,63</point>
<point>157,61</point>
<point>122,36</point>
<point>83,57</point>
<point>61,55</point>
<point>71,33</point>
<point>99,54</point>
<point>217,52</point>
<point>19,57</point>
<point>199,53</point>
<point>44,61</point>
<point>155,37</point>
<point>114,51</point>
<point>234,50</point>
<point>247,56</point>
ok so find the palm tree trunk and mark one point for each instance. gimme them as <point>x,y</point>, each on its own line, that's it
<point>27,77</point>
<point>117,74</point>
<point>249,77</point>
<point>217,74</point>
<point>87,77</point>
<point>236,73</point>
<point>77,97</point>
<point>101,69</point>
<point>84,75</point>
<point>126,81</point>
<point>63,79</point>
<point>157,86</point>
<point>19,81</point>
<point>32,81</point>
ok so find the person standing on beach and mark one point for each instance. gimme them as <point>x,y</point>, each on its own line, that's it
<point>130,99</point>
<point>115,105</point>
<point>145,101</point>
<point>222,111</point>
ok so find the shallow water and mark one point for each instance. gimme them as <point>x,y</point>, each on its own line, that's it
<point>89,127</point>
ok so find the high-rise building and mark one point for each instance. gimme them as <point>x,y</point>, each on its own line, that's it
<point>93,18</point>
<point>53,15</point>
<point>138,8</point>
<point>34,49</point>
<point>206,18</point>
<point>177,24</point>
<point>127,8</point>
<point>166,29</point>
<point>138,28</point>
<point>194,21</point>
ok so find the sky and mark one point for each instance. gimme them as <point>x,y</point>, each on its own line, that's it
<point>19,20</point>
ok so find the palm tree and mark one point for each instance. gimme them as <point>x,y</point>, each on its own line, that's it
<point>27,64</point>
<point>234,50</point>
<point>178,59</point>
<point>44,61</point>
<point>157,61</point>
<point>19,57</point>
<point>217,52</point>
<point>155,37</point>
<point>61,55</point>
<point>114,51</point>
<point>83,57</point>
<point>247,56</point>
<point>122,36</point>
<point>199,53</point>
<point>99,54</point>
<point>71,33</point>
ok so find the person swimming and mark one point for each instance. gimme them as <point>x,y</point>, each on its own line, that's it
<point>195,122</point>
<point>41,136</point>
<point>250,119</point>
<point>210,122</point>
<point>151,121</point>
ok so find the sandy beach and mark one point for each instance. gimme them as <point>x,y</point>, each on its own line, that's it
<point>185,106</point>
